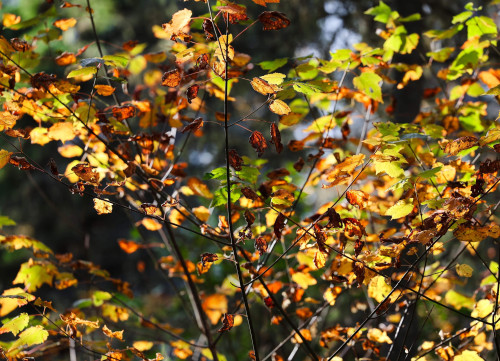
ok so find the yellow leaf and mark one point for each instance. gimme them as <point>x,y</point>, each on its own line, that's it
<point>378,288</point>
<point>468,356</point>
<point>151,224</point>
<point>69,150</point>
<point>279,107</point>
<point>263,87</point>
<point>320,259</point>
<point>274,78</point>
<point>10,19</point>
<point>143,345</point>
<point>7,304</point>
<point>102,206</point>
<point>116,334</point>
<point>304,280</point>
<point>4,157</point>
<point>482,309</point>
<point>305,333</point>
<point>464,270</point>
<point>377,335</point>
<point>400,209</point>
<point>104,90</point>
<point>39,135</point>
<point>62,131</point>
<point>202,213</point>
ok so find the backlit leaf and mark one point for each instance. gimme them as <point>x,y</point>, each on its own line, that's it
<point>32,336</point>
<point>215,306</point>
<point>104,90</point>
<point>455,146</point>
<point>65,24</point>
<point>90,70</point>
<point>274,78</point>
<point>273,20</point>
<point>227,323</point>
<point>116,334</point>
<point>401,209</point>
<point>369,83</point>
<point>258,142</point>
<point>279,107</point>
<point>464,270</point>
<point>171,78</point>
<point>16,325</point>
<point>179,21</point>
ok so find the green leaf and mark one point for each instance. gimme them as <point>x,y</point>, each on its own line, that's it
<point>6,221</point>
<point>462,17</point>
<point>118,61</point>
<point>444,34</point>
<point>441,55</point>
<point>382,12</point>
<point>306,71</point>
<point>248,174</point>
<point>274,78</point>
<point>400,209</point>
<point>341,54</point>
<point>16,325</point>
<point>369,83</point>
<point>218,173</point>
<point>32,336</point>
<point>98,297</point>
<point>412,17</point>
<point>457,300</point>
<point>82,71</point>
<point>305,88</point>
<point>481,25</point>
<point>34,276</point>
<point>272,65</point>
<point>429,173</point>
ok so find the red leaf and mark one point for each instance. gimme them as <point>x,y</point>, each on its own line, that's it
<point>235,160</point>
<point>227,323</point>
<point>269,302</point>
<point>193,126</point>
<point>192,92</point>
<point>258,142</point>
<point>279,224</point>
<point>250,193</point>
<point>276,138</point>
<point>273,20</point>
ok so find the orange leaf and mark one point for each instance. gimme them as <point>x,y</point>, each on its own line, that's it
<point>227,323</point>
<point>65,59</point>
<point>65,24</point>
<point>264,2</point>
<point>104,90</point>
<point>276,138</point>
<point>273,20</point>
<point>215,306</point>
<point>457,145</point>
<point>357,198</point>
<point>151,224</point>
<point>258,142</point>
<point>128,246</point>
<point>171,78</point>
<point>117,334</point>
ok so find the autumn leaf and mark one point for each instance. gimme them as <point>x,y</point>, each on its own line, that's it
<point>401,209</point>
<point>104,90</point>
<point>116,334</point>
<point>129,246</point>
<point>195,125</point>
<point>192,92</point>
<point>171,78</point>
<point>369,83</point>
<point>235,160</point>
<point>260,245</point>
<point>273,20</point>
<point>258,142</point>
<point>102,206</point>
<point>15,325</point>
<point>32,336</point>
<point>455,146</point>
<point>357,198</point>
<point>464,270</point>
<point>66,58</point>
<point>65,24</point>
<point>227,323</point>
<point>263,87</point>
<point>215,306</point>
<point>276,138</point>
<point>179,21</point>
<point>279,107</point>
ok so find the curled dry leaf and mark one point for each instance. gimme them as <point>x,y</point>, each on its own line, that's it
<point>86,173</point>
<point>457,145</point>
<point>235,160</point>
<point>260,245</point>
<point>258,142</point>
<point>227,323</point>
<point>171,78</point>
<point>123,112</point>
<point>279,224</point>
<point>149,208</point>
<point>192,92</point>
<point>193,126</point>
<point>357,198</point>
<point>279,107</point>
<point>102,206</point>
<point>276,138</point>
<point>116,334</point>
<point>208,28</point>
<point>273,20</point>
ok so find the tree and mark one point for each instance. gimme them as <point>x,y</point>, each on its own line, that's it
<point>304,243</point>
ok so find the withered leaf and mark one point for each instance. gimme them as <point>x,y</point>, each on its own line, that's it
<point>273,20</point>
<point>123,112</point>
<point>236,12</point>
<point>489,166</point>
<point>86,173</point>
<point>179,21</point>
<point>102,206</point>
<point>209,257</point>
<point>208,28</point>
<point>359,271</point>
<point>258,142</point>
<point>53,167</point>
<point>42,80</point>
<point>202,61</point>
<point>249,218</point>
<point>334,219</point>
<point>250,193</point>
<point>193,126</point>
<point>227,323</point>
<point>260,245</point>
<point>20,45</point>
<point>357,198</point>
<point>171,78</point>
<point>192,92</point>
<point>235,160</point>
<point>299,164</point>
<point>149,208</point>
<point>278,173</point>
<point>276,138</point>
<point>457,145</point>
<point>279,107</point>
<point>279,224</point>
<point>20,162</point>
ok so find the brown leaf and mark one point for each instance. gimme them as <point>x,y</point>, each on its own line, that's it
<point>260,245</point>
<point>258,142</point>
<point>279,224</point>
<point>273,20</point>
<point>359,271</point>
<point>457,145</point>
<point>171,78</point>
<point>42,80</point>
<point>276,138</point>
<point>227,323</point>
<point>193,126</point>
<point>208,28</point>
<point>235,160</point>
<point>235,12</point>
<point>278,173</point>
<point>263,87</point>
<point>249,218</point>
<point>19,45</point>
<point>149,209</point>
<point>20,162</point>
<point>86,173</point>
<point>250,193</point>
<point>299,164</point>
<point>192,92</point>
<point>179,21</point>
